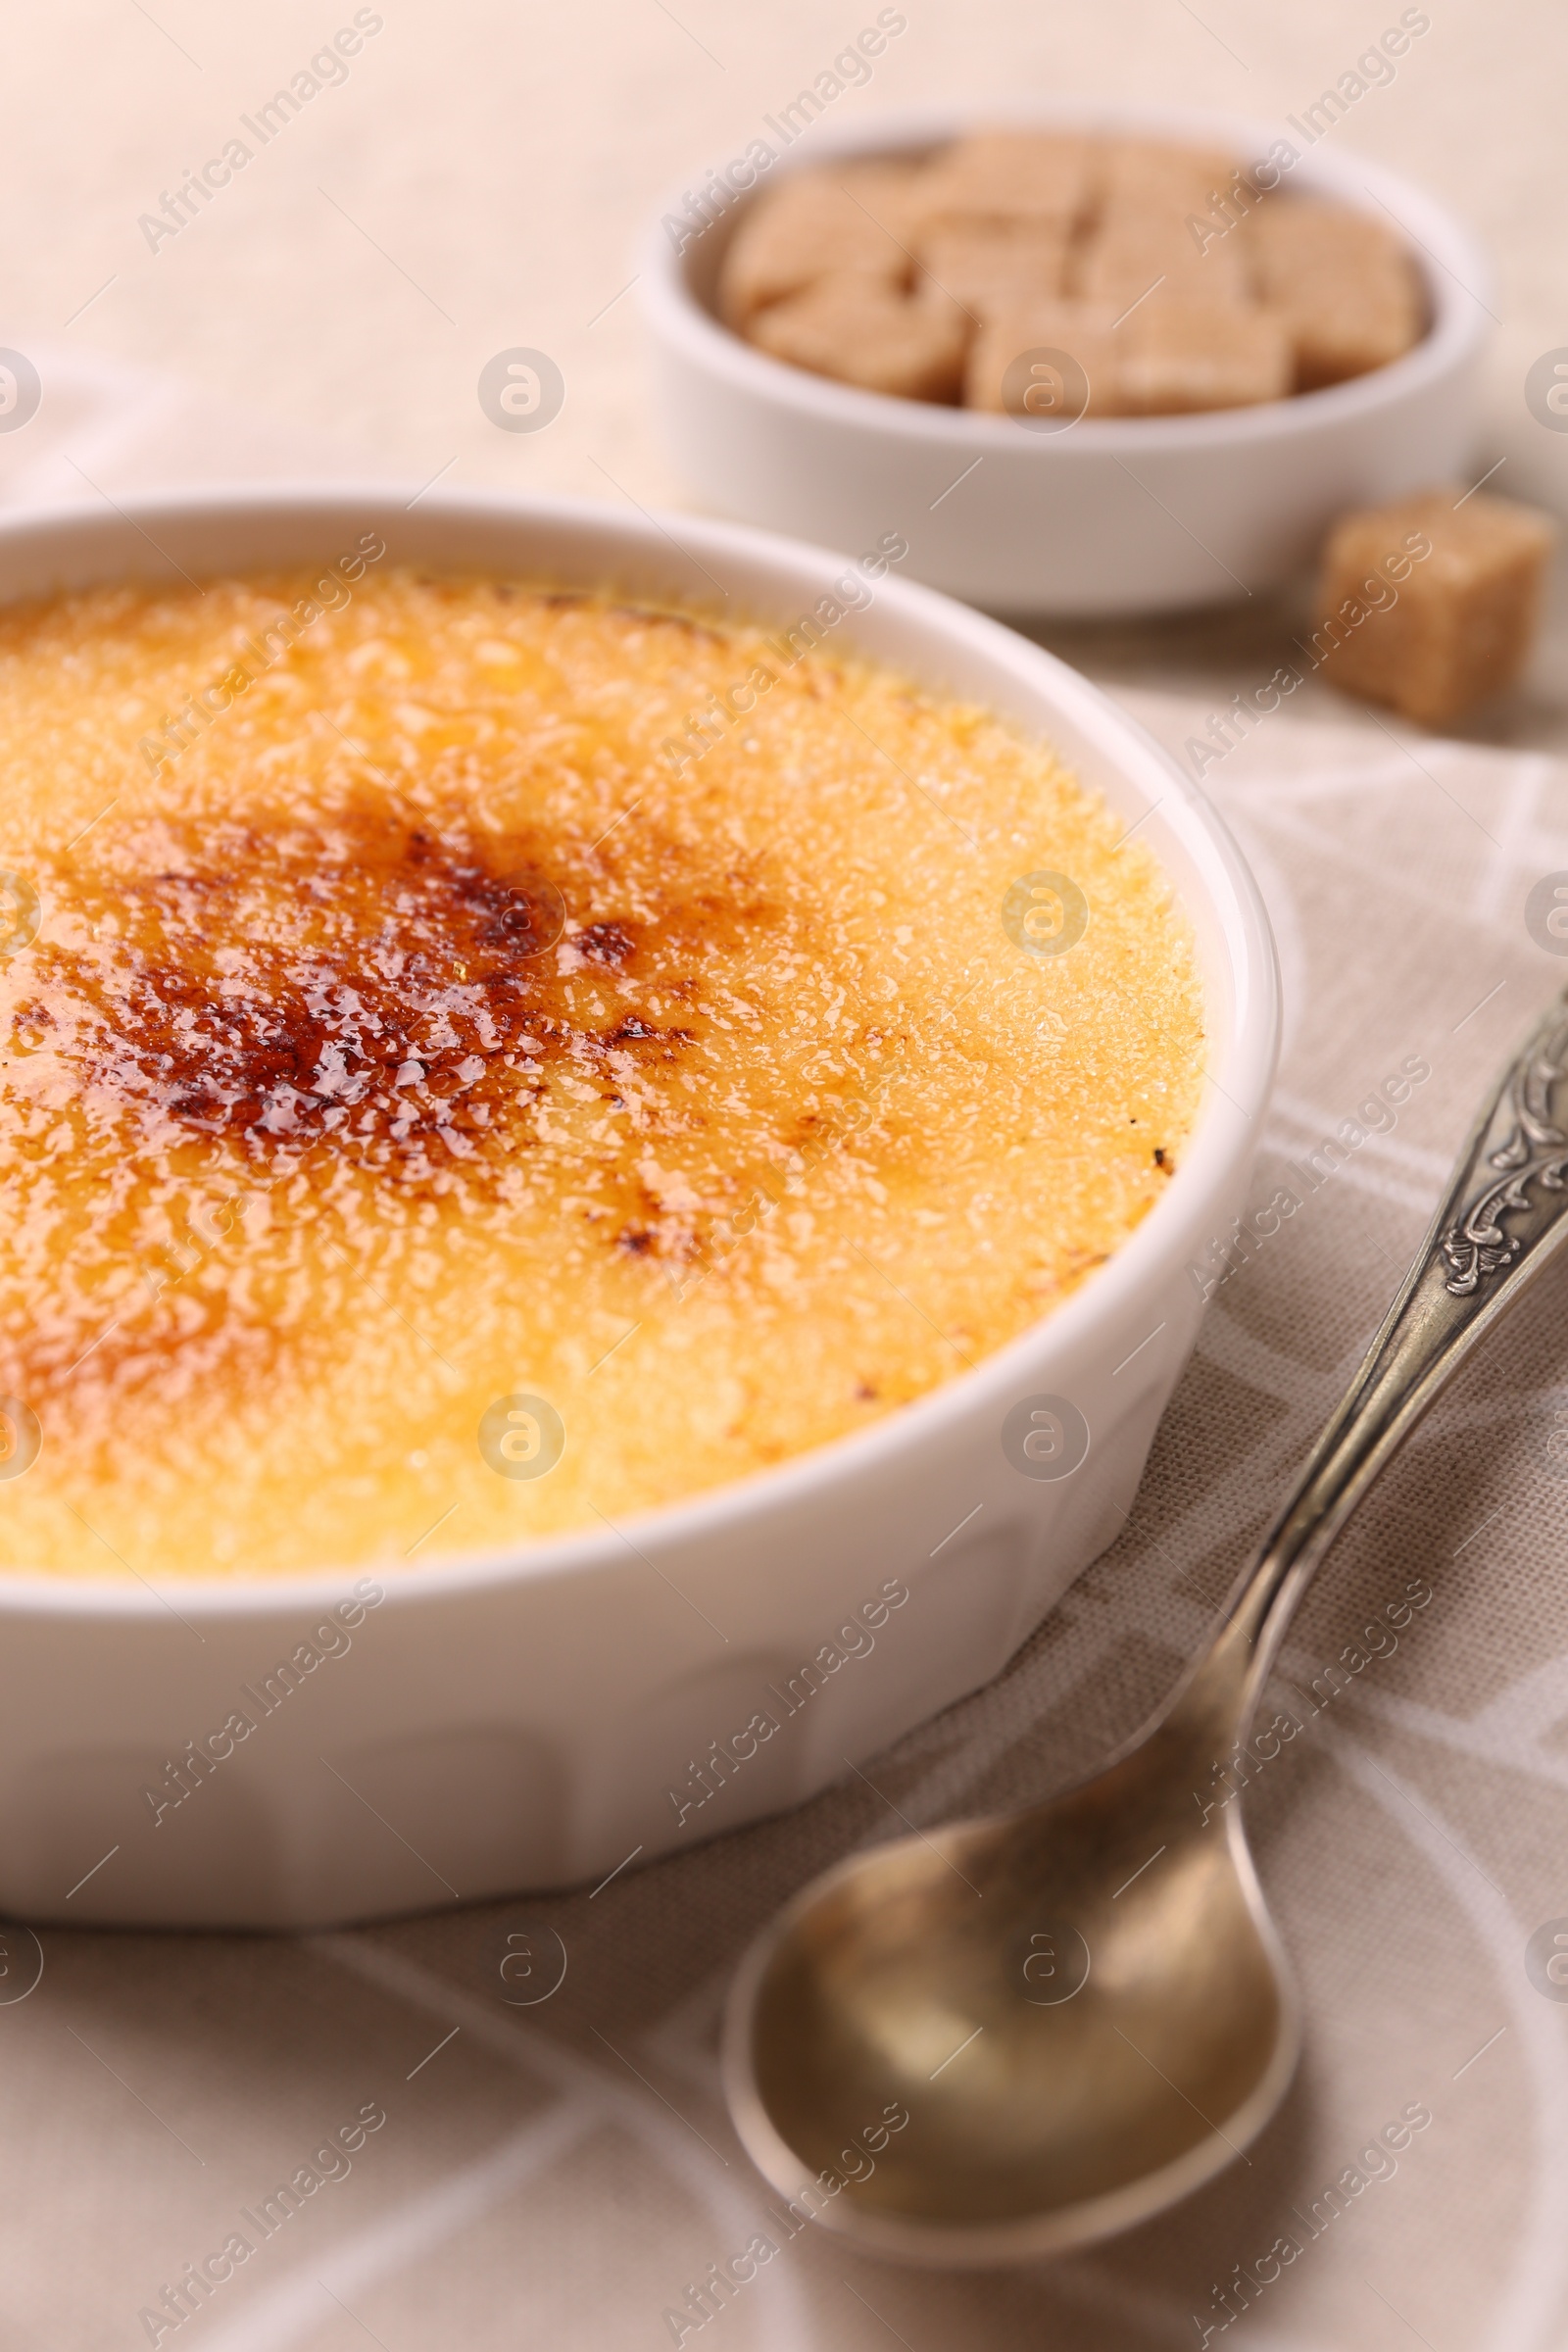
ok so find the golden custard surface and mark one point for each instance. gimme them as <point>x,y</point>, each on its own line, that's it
<point>437,1029</point>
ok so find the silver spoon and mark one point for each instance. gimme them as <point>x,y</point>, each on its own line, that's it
<point>1082,2011</point>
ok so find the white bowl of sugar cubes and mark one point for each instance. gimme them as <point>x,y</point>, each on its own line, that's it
<point>1076,359</point>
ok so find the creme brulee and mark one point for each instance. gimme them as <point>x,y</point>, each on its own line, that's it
<point>438,1107</point>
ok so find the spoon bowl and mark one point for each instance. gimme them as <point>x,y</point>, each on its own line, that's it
<point>1084,2012</point>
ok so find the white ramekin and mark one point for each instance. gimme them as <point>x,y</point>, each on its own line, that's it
<point>1123,514</point>
<point>503,1723</point>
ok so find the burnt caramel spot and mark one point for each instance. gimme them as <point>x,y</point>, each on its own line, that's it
<point>605,943</point>
<point>385,991</point>
<point>276,1043</point>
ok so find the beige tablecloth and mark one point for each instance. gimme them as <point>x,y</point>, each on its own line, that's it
<point>561,2176</point>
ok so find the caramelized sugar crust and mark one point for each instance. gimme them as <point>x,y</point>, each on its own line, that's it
<point>482,1003</point>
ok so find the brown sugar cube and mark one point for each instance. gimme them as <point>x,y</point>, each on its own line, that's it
<point>1345,287</point>
<point>997,376</point>
<point>809,227</point>
<point>1131,253</point>
<point>1008,175</point>
<point>1147,174</point>
<point>864,331</point>
<point>889,193</point>
<point>1294,235</point>
<point>989,264</point>
<point>1431,604</point>
<point>1180,356</point>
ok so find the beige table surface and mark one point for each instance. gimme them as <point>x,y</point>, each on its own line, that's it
<point>556,2180</point>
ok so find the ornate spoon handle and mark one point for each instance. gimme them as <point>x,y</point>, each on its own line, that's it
<point>1504,1213</point>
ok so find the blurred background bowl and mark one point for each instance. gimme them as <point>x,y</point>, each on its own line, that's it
<point>1116,515</point>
